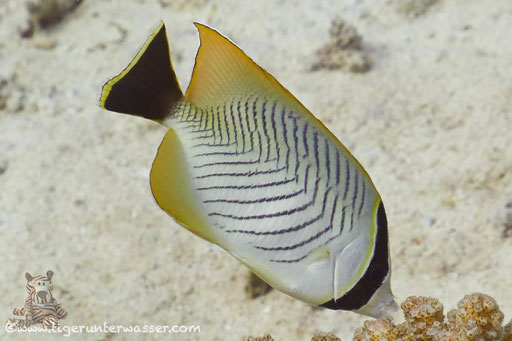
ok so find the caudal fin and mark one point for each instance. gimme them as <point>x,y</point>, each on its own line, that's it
<point>148,86</point>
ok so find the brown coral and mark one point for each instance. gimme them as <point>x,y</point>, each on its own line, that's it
<point>381,329</point>
<point>507,331</point>
<point>319,336</point>
<point>266,337</point>
<point>424,316</point>
<point>45,13</point>
<point>477,317</point>
<point>344,50</point>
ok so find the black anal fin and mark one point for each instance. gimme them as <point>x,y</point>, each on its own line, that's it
<point>148,86</point>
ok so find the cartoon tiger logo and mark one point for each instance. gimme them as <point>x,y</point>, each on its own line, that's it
<point>40,305</point>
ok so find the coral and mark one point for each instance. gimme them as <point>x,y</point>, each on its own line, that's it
<point>477,317</point>
<point>424,316</point>
<point>265,337</point>
<point>45,13</point>
<point>319,336</point>
<point>344,50</point>
<point>381,329</point>
<point>415,8</point>
<point>344,36</point>
<point>507,331</point>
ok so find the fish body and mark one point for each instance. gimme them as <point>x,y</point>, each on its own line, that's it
<point>246,166</point>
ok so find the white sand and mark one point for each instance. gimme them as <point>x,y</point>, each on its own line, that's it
<point>431,122</point>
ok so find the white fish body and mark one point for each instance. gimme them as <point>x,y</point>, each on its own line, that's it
<point>246,166</point>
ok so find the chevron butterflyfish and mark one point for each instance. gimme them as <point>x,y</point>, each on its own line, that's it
<point>246,166</point>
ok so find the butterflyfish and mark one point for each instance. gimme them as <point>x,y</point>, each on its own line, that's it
<point>246,166</point>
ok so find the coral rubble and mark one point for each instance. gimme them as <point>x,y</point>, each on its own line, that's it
<point>476,318</point>
<point>344,50</point>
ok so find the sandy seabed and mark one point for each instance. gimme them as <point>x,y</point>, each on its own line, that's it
<point>431,122</point>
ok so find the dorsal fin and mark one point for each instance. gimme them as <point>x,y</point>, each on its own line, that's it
<point>222,70</point>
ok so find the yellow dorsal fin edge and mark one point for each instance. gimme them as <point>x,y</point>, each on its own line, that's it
<point>222,69</point>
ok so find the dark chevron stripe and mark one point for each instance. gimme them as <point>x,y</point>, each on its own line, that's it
<point>285,136</point>
<point>315,149</point>
<point>204,117</point>
<point>218,153</point>
<point>263,185</point>
<point>219,128</point>
<point>246,106</point>
<point>337,167</point>
<point>260,150</point>
<point>226,125</point>
<point>214,145</point>
<point>327,161</point>
<point>306,178</point>
<point>317,236</point>
<point>264,128</point>
<point>305,140</point>
<point>362,199</point>
<point>270,215</point>
<point>254,114</point>
<point>281,231</point>
<point>274,130</point>
<point>304,242</point>
<point>354,199</point>
<point>202,137</point>
<point>249,173</point>
<point>242,130</point>
<point>188,112</point>
<point>256,201</point>
<point>191,126</point>
<point>289,260</point>
<point>227,163</point>
<point>196,111</point>
<point>295,142</point>
<point>347,179</point>
<point>342,221</point>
